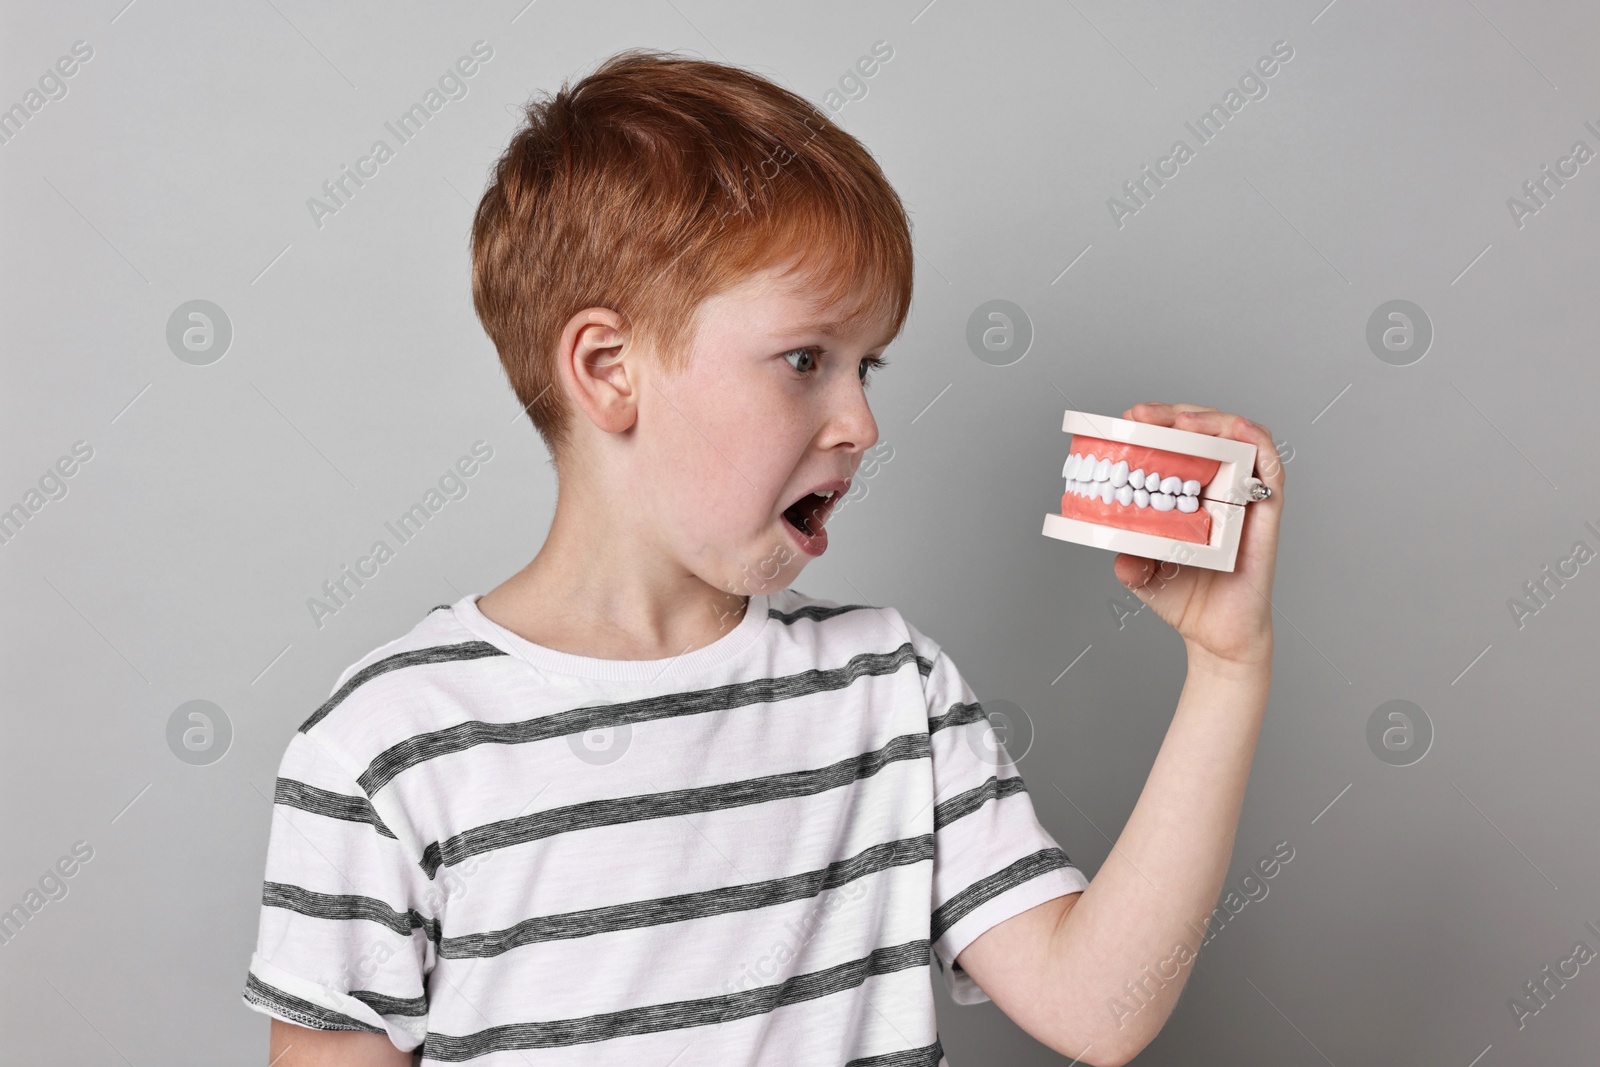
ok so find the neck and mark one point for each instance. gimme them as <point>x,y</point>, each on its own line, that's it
<point>601,586</point>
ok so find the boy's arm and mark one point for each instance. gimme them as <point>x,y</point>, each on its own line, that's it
<point>342,950</point>
<point>1094,975</point>
<point>1061,970</point>
<point>301,1046</point>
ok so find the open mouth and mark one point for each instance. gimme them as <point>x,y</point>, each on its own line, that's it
<point>1132,487</point>
<point>810,512</point>
<point>808,516</point>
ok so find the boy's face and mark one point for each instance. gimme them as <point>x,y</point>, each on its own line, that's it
<point>748,428</point>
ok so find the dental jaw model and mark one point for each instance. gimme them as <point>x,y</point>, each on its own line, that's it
<point>1152,491</point>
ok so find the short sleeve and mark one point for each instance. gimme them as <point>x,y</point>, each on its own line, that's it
<point>991,857</point>
<point>346,913</point>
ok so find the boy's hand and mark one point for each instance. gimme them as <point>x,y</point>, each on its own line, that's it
<point>1221,615</point>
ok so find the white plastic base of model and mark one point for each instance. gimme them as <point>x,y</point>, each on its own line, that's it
<point>1224,497</point>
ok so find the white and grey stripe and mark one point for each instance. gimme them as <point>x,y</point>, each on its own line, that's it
<point>347,906</point>
<point>690,905</point>
<point>926,1056</point>
<point>462,736</point>
<point>301,1011</point>
<point>521,830</point>
<point>845,836</point>
<point>293,794</point>
<point>973,799</point>
<point>679,1015</point>
<point>420,657</point>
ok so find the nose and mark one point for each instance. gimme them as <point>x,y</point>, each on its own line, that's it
<point>850,425</point>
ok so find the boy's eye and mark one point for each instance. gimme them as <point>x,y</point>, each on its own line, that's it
<point>805,360</point>
<point>872,363</point>
<point>809,358</point>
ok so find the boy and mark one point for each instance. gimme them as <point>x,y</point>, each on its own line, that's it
<point>644,803</point>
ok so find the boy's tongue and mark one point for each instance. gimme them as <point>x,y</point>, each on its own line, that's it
<point>804,513</point>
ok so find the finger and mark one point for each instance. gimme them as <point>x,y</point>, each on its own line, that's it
<point>1239,428</point>
<point>1269,464</point>
<point>1207,421</point>
<point>1268,467</point>
<point>1134,572</point>
<point>1258,542</point>
<point>1198,418</point>
<point>1160,414</point>
<point>1155,413</point>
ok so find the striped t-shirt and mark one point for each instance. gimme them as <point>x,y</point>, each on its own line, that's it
<point>750,853</point>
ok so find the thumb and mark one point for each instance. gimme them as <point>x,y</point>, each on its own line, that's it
<point>1134,572</point>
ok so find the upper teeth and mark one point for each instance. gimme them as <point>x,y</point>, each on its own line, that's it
<point>1094,476</point>
<point>828,495</point>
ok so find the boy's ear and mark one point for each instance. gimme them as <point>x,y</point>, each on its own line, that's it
<point>596,369</point>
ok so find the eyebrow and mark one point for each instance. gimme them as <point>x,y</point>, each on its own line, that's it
<point>832,328</point>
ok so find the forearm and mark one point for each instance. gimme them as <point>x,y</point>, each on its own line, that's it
<point>299,1046</point>
<point>1115,951</point>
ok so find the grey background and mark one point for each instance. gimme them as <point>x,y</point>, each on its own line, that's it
<point>220,497</point>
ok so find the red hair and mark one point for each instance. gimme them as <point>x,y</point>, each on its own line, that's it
<point>659,181</point>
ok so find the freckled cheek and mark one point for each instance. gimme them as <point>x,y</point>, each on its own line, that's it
<point>702,485</point>
<point>679,431</point>
<point>719,503</point>
<point>752,459</point>
<point>728,452</point>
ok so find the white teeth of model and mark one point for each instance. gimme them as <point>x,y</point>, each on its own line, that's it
<point>1125,495</point>
<point>1136,479</point>
<point>1102,470</point>
<point>1162,501</point>
<point>1106,491</point>
<point>1070,468</point>
<point>1188,504</point>
<point>1152,481</point>
<point>1119,474</point>
<point>1086,468</point>
<point>1171,486</point>
<point>1141,498</point>
<point>1191,488</point>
